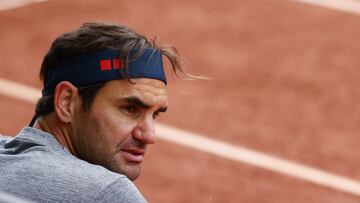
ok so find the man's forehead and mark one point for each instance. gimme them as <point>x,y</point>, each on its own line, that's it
<point>150,91</point>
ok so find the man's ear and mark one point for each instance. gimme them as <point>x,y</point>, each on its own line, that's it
<point>65,97</point>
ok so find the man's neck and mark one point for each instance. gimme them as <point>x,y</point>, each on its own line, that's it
<point>60,131</point>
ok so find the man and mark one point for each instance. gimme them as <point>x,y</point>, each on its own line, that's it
<point>104,85</point>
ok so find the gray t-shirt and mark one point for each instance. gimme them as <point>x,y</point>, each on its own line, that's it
<point>34,166</point>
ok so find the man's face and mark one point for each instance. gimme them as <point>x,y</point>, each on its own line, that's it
<point>114,133</point>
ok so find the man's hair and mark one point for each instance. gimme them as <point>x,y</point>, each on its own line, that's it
<point>92,37</point>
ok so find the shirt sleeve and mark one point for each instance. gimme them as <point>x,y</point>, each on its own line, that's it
<point>121,190</point>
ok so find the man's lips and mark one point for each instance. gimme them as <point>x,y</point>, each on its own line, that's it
<point>133,154</point>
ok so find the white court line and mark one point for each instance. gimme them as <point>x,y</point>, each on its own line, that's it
<point>225,150</point>
<point>18,91</point>
<point>9,4</point>
<point>351,6</point>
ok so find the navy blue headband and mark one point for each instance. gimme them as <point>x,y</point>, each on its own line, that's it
<point>103,66</point>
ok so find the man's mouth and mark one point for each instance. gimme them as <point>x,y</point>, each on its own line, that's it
<point>133,154</point>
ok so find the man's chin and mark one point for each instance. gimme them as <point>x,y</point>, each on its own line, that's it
<point>132,173</point>
<point>130,170</point>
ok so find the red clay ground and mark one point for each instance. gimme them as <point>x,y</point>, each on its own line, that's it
<point>285,83</point>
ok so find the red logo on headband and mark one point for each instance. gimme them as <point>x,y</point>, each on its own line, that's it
<point>108,64</point>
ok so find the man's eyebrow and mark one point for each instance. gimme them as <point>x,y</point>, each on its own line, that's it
<point>137,102</point>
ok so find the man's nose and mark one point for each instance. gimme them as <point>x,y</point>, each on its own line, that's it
<point>145,132</point>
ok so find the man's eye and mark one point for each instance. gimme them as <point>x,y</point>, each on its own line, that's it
<point>156,114</point>
<point>130,109</point>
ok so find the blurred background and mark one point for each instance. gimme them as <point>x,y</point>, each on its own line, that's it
<point>285,82</point>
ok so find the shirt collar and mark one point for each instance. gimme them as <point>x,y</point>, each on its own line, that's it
<point>38,136</point>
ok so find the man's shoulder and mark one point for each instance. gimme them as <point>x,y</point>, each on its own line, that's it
<point>70,180</point>
<point>60,166</point>
<point>101,183</point>
<point>43,170</point>
<point>81,172</point>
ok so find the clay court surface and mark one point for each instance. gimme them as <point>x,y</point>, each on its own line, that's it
<point>285,83</point>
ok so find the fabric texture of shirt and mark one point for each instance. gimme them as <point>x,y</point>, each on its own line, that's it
<point>36,167</point>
